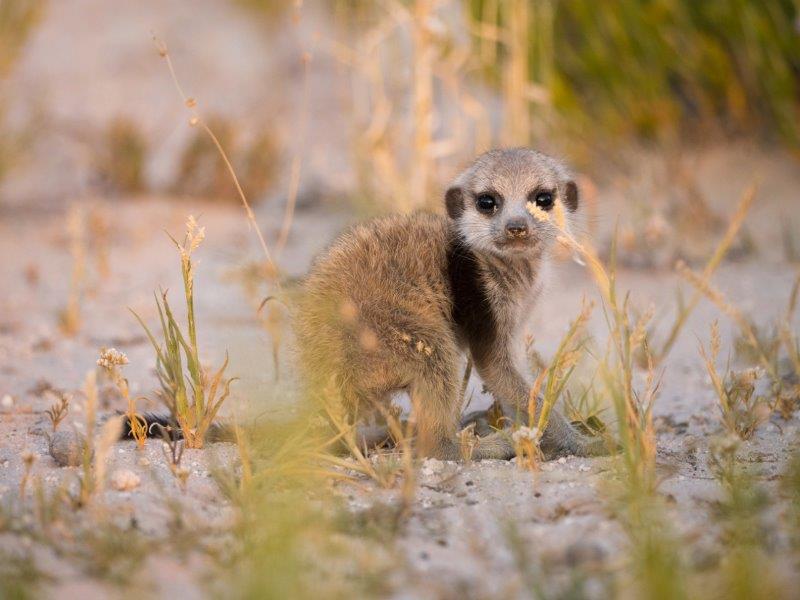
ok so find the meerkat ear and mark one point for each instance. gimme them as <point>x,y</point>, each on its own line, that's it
<point>454,201</point>
<point>571,196</point>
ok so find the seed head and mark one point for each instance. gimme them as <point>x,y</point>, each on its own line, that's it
<point>525,433</point>
<point>111,357</point>
<point>194,234</point>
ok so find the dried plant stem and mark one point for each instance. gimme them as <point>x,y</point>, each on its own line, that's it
<point>196,119</point>
<point>516,73</point>
<point>742,413</point>
<point>422,99</point>
<point>715,296</point>
<point>58,411</point>
<point>297,163</point>
<point>88,481</point>
<point>70,317</point>
<point>633,409</point>
<point>719,253</point>
<point>549,386</point>
<point>562,365</point>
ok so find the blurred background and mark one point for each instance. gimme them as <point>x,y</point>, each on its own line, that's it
<point>382,101</point>
<point>334,110</point>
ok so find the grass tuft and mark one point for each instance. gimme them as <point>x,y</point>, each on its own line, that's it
<point>742,411</point>
<point>193,396</point>
<point>550,384</point>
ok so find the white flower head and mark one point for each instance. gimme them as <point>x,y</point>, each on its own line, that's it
<point>111,357</point>
<point>525,433</point>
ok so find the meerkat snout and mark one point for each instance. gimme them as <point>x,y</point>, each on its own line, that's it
<point>516,228</point>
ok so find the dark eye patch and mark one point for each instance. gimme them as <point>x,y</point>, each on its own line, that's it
<point>487,203</point>
<point>544,199</point>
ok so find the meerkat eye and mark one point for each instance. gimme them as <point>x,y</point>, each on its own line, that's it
<point>544,200</point>
<point>486,203</point>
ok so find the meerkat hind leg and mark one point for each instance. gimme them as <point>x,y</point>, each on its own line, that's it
<point>436,406</point>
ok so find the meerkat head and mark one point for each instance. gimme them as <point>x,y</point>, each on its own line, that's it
<point>491,201</point>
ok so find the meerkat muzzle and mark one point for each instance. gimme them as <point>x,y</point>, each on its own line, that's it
<point>517,229</point>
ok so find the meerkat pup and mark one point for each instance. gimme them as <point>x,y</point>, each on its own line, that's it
<point>395,302</point>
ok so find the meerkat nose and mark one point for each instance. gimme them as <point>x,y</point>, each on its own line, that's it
<point>517,229</point>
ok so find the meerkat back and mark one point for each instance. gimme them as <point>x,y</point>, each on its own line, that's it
<point>377,296</point>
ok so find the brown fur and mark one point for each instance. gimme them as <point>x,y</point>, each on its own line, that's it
<point>395,302</point>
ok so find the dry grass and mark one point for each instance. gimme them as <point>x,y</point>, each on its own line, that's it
<point>685,310</point>
<point>70,316</point>
<point>95,449</point>
<point>405,139</point>
<point>776,354</point>
<point>765,354</point>
<point>111,360</point>
<point>58,411</point>
<point>203,173</point>
<point>17,20</point>
<point>742,411</point>
<point>193,397</point>
<point>121,157</point>
<point>275,321</point>
<point>387,468</point>
<point>550,386</point>
<point>627,338</point>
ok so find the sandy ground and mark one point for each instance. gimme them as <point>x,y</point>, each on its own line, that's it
<point>454,541</point>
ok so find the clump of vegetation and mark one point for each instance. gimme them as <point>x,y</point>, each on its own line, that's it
<point>644,68</point>
<point>203,172</point>
<point>747,569</point>
<point>193,396</point>
<point>58,410</point>
<point>17,20</point>
<point>94,452</point>
<point>20,578</point>
<point>121,157</point>
<point>384,467</point>
<point>111,360</point>
<point>742,411</point>
<point>685,309</point>
<point>550,385</point>
<point>627,340</point>
<point>776,355</point>
<point>70,316</point>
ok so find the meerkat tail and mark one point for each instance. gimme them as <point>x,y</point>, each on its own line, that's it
<point>159,425</point>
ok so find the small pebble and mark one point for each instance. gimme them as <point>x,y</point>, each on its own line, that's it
<point>124,480</point>
<point>66,447</point>
<point>584,553</point>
